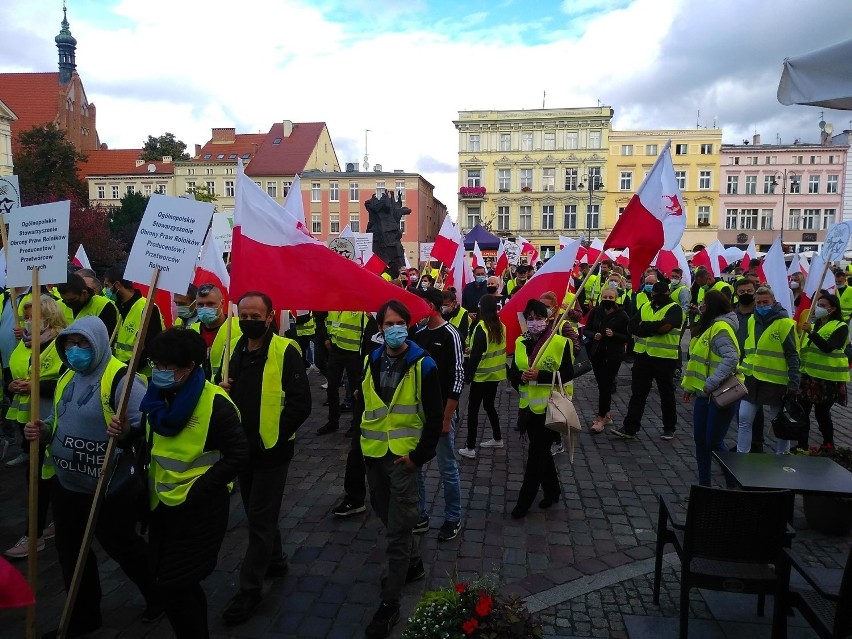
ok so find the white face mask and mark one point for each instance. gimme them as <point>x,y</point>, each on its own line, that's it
<point>820,312</point>
<point>794,285</point>
<point>675,283</point>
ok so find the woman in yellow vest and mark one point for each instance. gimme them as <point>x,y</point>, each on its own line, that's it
<point>825,367</point>
<point>485,370</point>
<point>51,367</point>
<point>197,447</point>
<point>771,366</point>
<point>533,384</point>
<point>713,355</point>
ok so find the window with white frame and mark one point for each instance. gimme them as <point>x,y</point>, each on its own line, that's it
<point>748,219</point>
<point>735,160</point>
<point>705,180</point>
<point>795,184</point>
<point>769,184</point>
<point>813,184</point>
<point>211,188</point>
<point>315,191</point>
<point>751,185</point>
<point>473,215</point>
<point>769,159</point>
<point>680,176</point>
<point>208,171</point>
<point>625,181</point>
<point>810,219</point>
<point>525,218</point>
<point>229,171</point>
<point>681,149</point>
<point>550,141</point>
<point>828,217</point>
<point>626,149</point>
<point>190,171</point>
<point>569,221</point>
<point>505,141</point>
<point>190,187</point>
<point>161,189</point>
<point>334,192</point>
<point>474,177</point>
<point>502,218</point>
<point>794,219</point>
<point>831,159</point>
<point>815,159</point>
<point>731,216</point>
<point>572,140</point>
<point>101,192</point>
<point>334,222</point>
<point>798,159</point>
<point>621,210</point>
<point>526,179</point>
<point>526,141</point>
<point>547,217</point>
<point>355,222</point>
<point>651,149</point>
<point>752,160</point>
<point>400,189</point>
<point>570,179</point>
<point>229,188</point>
<point>381,189</point>
<point>504,180</point>
<point>473,142</point>
<point>733,184</point>
<point>272,189</point>
<point>766,216</point>
<point>594,139</point>
<point>146,189</point>
<point>316,223</point>
<point>831,183</point>
<point>129,189</point>
<point>353,192</point>
<point>706,149</point>
<point>703,215</point>
<point>285,188</point>
<point>402,225</point>
<point>548,179</point>
<point>593,216</point>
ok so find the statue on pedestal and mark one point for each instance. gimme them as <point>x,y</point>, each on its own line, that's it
<point>385,215</point>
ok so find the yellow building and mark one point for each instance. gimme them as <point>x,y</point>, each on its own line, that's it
<point>7,116</point>
<point>696,158</point>
<point>113,173</point>
<point>536,168</point>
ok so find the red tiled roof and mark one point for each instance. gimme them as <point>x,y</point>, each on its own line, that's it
<point>291,154</point>
<point>242,144</point>
<point>34,97</point>
<point>110,162</point>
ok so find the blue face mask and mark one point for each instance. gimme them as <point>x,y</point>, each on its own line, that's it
<point>648,288</point>
<point>480,279</point>
<point>79,358</point>
<point>395,336</point>
<point>763,310</point>
<point>208,315</point>
<point>163,379</point>
<point>110,295</point>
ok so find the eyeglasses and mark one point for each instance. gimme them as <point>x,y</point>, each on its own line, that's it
<point>160,366</point>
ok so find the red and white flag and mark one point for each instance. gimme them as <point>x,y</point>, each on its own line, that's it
<point>712,258</point>
<point>594,250</point>
<point>367,258</point>
<point>502,261</point>
<point>795,266</point>
<point>271,254</point>
<point>460,273</point>
<point>447,242</point>
<point>666,261</point>
<point>15,591</point>
<point>528,249</point>
<point>553,276</point>
<point>81,259</point>
<point>750,254</point>
<point>294,203</point>
<point>653,219</point>
<point>775,274</point>
<point>624,258</point>
<point>211,269</point>
<point>477,259</point>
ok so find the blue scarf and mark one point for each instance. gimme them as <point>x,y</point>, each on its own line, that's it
<point>167,410</point>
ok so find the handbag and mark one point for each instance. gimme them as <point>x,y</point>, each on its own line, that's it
<point>561,415</point>
<point>791,421</point>
<point>730,391</point>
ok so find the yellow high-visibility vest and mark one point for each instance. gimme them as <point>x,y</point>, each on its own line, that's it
<point>663,345</point>
<point>765,360</point>
<point>492,366</point>
<point>533,394</point>
<point>703,362</point>
<point>833,366</point>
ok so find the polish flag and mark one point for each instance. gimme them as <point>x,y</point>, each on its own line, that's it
<point>460,273</point>
<point>211,269</point>
<point>447,243</point>
<point>750,254</point>
<point>595,249</point>
<point>775,274</point>
<point>553,276</point>
<point>624,258</point>
<point>367,259</point>
<point>293,202</point>
<point>712,258</point>
<point>795,266</point>
<point>812,285</point>
<point>528,249</point>
<point>564,241</point>
<point>271,254</point>
<point>15,592</point>
<point>81,259</point>
<point>653,219</point>
<point>804,266</point>
<point>502,261</point>
<point>477,259</point>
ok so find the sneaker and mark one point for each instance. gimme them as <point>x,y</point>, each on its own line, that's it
<point>421,526</point>
<point>384,620</point>
<point>348,507</point>
<point>492,443</point>
<point>556,449</point>
<point>449,530</point>
<point>416,572</point>
<point>17,461</point>
<point>22,548</point>
<point>328,428</point>
<point>49,532</point>
<point>324,386</point>
<point>241,608</point>
<point>470,453</point>
<point>153,612</point>
<point>597,425</point>
<point>620,432</point>
<point>667,435</point>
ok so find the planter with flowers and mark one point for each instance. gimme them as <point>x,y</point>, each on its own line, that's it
<point>472,191</point>
<point>825,513</point>
<point>471,611</point>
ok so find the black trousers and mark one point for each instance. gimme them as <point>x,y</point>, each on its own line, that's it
<point>338,362</point>
<point>540,471</point>
<point>320,355</point>
<point>116,533</point>
<point>646,371</point>
<point>484,394</point>
<point>822,411</point>
<point>304,342</point>
<point>355,477</point>
<point>605,374</point>
<point>186,609</point>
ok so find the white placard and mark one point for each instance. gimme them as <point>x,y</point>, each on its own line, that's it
<point>836,241</point>
<point>344,246</point>
<point>223,229</point>
<point>426,251</point>
<point>10,196</point>
<point>169,239</point>
<point>363,245</point>
<point>513,252</point>
<point>38,239</point>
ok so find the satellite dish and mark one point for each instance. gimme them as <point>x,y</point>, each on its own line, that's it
<point>822,124</point>
<point>152,168</point>
<point>829,128</point>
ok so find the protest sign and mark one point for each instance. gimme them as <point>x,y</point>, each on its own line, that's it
<point>363,246</point>
<point>168,240</point>
<point>836,241</point>
<point>344,246</point>
<point>38,239</point>
<point>223,229</point>
<point>426,251</point>
<point>513,252</point>
<point>10,196</point>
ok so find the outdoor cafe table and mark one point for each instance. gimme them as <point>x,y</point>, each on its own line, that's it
<point>801,474</point>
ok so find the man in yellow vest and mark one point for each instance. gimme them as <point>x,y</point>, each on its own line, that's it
<point>212,316</point>
<point>81,301</point>
<point>402,419</point>
<point>522,273</point>
<point>455,314</point>
<point>187,309</point>
<point>657,330</point>
<point>344,334</point>
<point>268,384</point>
<point>844,294</point>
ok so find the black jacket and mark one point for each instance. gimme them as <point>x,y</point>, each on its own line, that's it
<point>612,348</point>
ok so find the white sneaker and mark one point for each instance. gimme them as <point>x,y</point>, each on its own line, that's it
<point>470,453</point>
<point>492,443</point>
<point>556,449</point>
<point>324,386</point>
<point>17,461</point>
<point>21,549</point>
<point>49,532</point>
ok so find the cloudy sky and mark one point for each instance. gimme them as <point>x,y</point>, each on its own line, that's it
<point>404,68</point>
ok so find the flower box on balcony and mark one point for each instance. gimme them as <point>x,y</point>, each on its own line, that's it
<point>526,189</point>
<point>472,191</point>
<point>504,190</point>
<point>703,224</point>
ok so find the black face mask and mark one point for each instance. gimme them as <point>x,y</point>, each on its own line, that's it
<point>662,298</point>
<point>491,289</point>
<point>253,329</point>
<point>747,299</point>
<point>607,305</point>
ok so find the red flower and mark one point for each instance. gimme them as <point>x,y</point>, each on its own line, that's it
<point>460,588</point>
<point>483,608</point>
<point>470,626</point>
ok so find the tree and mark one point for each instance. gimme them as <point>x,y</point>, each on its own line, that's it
<point>202,194</point>
<point>124,221</point>
<point>89,226</point>
<point>166,144</point>
<point>46,166</point>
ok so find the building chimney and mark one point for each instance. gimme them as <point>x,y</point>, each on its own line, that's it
<point>140,162</point>
<point>224,135</point>
<point>197,150</point>
<point>288,128</point>
<point>756,139</point>
<point>167,159</point>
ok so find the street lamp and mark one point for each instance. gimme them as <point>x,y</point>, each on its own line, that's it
<point>794,182</point>
<point>595,184</point>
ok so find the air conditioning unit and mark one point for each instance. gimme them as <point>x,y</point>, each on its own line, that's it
<point>351,167</point>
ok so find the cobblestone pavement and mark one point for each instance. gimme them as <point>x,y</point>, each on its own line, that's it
<point>586,564</point>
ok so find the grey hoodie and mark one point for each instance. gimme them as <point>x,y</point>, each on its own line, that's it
<point>79,438</point>
<point>724,347</point>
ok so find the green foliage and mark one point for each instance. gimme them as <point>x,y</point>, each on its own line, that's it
<point>166,144</point>
<point>124,221</point>
<point>89,226</point>
<point>202,194</point>
<point>46,166</point>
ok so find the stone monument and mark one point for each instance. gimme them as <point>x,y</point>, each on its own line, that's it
<point>385,215</point>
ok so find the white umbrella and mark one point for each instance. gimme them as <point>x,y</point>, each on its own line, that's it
<point>820,78</point>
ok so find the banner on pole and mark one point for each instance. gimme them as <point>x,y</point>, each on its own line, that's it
<point>223,229</point>
<point>169,239</point>
<point>426,251</point>
<point>513,252</point>
<point>836,241</point>
<point>38,239</point>
<point>10,196</point>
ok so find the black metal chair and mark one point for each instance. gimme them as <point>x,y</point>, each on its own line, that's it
<point>731,541</point>
<point>828,611</point>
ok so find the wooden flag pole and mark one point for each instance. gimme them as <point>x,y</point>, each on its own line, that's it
<point>32,510</point>
<point>106,468</point>
<point>12,294</point>
<point>226,364</point>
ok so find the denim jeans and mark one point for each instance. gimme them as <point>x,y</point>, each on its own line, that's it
<point>449,469</point>
<point>710,425</point>
<point>746,414</point>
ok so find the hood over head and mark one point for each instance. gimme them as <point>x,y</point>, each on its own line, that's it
<point>94,330</point>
